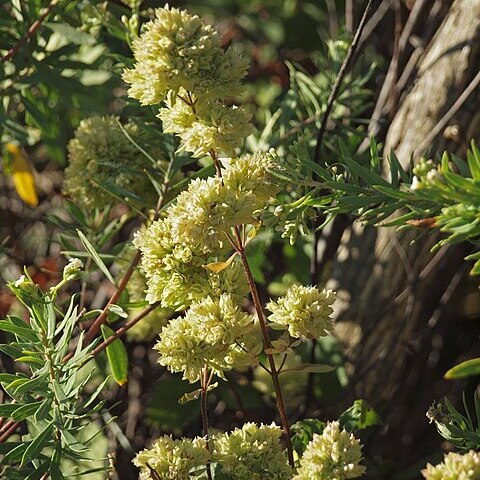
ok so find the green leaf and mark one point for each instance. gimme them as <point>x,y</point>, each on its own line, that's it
<point>15,455</point>
<point>71,34</point>
<point>359,416</point>
<point>117,310</point>
<point>25,411</point>
<point>7,409</point>
<point>464,369</point>
<point>95,257</point>
<point>38,444</point>
<point>23,332</point>
<point>117,357</point>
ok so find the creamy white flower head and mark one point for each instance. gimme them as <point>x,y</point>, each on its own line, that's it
<point>201,215</point>
<point>304,311</point>
<point>209,334</point>
<point>212,126</point>
<point>455,466</point>
<point>178,50</point>
<point>251,453</point>
<point>170,459</point>
<point>334,455</point>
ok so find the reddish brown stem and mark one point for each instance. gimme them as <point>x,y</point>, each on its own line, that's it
<point>122,330</point>
<point>12,426</point>
<point>95,327</point>
<point>267,345</point>
<point>29,34</point>
<point>204,410</point>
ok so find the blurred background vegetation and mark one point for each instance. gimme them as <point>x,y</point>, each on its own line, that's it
<point>405,315</point>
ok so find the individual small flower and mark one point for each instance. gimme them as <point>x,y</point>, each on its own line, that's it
<point>207,335</point>
<point>455,466</point>
<point>304,311</point>
<point>72,269</point>
<point>251,453</point>
<point>100,154</point>
<point>170,459</point>
<point>178,50</point>
<point>26,291</point>
<point>334,455</point>
<point>212,125</point>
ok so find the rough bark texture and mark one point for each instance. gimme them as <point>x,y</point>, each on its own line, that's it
<point>443,73</point>
<point>401,315</point>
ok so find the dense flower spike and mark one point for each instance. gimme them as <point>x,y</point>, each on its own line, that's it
<point>170,459</point>
<point>455,467</point>
<point>209,334</point>
<point>99,154</point>
<point>176,272</point>
<point>334,455</point>
<point>305,311</point>
<point>251,453</point>
<point>178,50</point>
<point>206,125</point>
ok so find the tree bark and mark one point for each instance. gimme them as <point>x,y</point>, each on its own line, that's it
<point>401,318</point>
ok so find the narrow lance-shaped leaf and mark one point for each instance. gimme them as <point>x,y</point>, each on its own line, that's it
<point>117,357</point>
<point>95,257</point>
<point>464,369</point>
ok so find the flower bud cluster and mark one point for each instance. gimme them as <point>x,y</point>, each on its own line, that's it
<point>426,174</point>
<point>334,455</point>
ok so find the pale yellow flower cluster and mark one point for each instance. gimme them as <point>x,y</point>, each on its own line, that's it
<point>304,311</point>
<point>455,466</point>
<point>334,455</point>
<point>252,453</point>
<point>177,248</point>
<point>100,154</point>
<point>210,335</point>
<point>211,125</point>
<point>178,50</point>
<point>171,459</point>
<point>179,59</point>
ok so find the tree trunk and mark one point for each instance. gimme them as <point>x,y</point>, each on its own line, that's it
<point>401,314</point>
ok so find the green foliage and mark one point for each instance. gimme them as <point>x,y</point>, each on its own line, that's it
<point>49,390</point>
<point>463,431</point>
<point>465,369</point>
<point>359,416</point>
